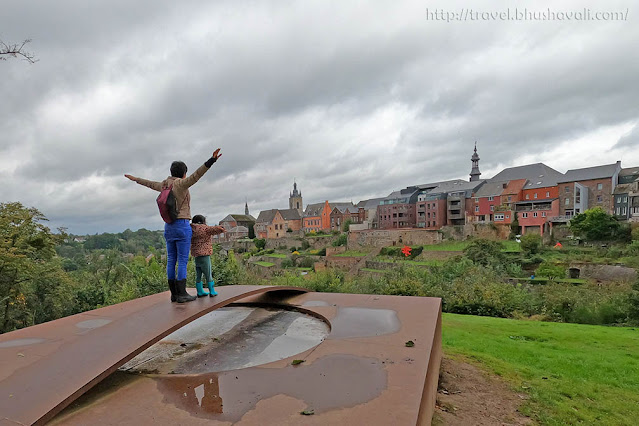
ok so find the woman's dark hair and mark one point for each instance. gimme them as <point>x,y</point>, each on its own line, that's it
<point>198,218</point>
<point>178,169</point>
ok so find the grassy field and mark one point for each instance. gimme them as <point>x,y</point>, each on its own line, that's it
<point>573,374</point>
<point>276,255</point>
<point>265,264</point>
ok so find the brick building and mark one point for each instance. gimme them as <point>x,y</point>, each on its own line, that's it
<point>583,189</point>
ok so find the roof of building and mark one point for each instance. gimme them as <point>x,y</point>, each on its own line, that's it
<point>290,214</point>
<point>589,173</point>
<point>266,216</point>
<point>514,186</point>
<point>242,229</point>
<point>345,209</point>
<point>369,204</point>
<point>491,189</point>
<point>539,175</point>
<point>238,218</point>
<point>629,174</point>
<point>313,210</point>
<point>622,188</point>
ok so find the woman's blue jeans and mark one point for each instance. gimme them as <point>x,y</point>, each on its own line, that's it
<point>178,244</point>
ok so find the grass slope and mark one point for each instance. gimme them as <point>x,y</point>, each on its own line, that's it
<point>573,373</point>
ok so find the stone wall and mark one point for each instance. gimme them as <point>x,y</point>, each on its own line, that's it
<point>330,250</point>
<point>342,262</point>
<point>605,272</point>
<point>489,231</point>
<point>392,237</point>
<point>315,243</point>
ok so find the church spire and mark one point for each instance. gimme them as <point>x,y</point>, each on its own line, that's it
<point>246,210</point>
<point>474,171</point>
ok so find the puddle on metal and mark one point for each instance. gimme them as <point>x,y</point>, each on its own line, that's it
<point>231,338</point>
<point>94,323</point>
<point>21,342</point>
<point>363,322</point>
<point>315,303</point>
<point>339,381</point>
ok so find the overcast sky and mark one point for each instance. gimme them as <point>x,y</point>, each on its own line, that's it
<point>353,99</point>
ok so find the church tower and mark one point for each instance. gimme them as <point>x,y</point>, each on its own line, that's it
<point>295,199</point>
<point>246,210</point>
<point>474,171</point>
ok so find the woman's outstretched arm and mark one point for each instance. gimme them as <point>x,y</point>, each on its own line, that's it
<point>148,183</point>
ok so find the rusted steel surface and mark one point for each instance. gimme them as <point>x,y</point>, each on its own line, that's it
<point>363,373</point>
<point>45,367</point>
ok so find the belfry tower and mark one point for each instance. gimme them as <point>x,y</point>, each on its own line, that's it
<point>295,199</point>
<point>474,171</point>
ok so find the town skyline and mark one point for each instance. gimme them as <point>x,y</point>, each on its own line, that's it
<point>385,98</point>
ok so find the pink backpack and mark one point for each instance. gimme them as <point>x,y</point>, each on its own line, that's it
<point>167,205</point>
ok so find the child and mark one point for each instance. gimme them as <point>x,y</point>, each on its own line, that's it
<point>201,250</point>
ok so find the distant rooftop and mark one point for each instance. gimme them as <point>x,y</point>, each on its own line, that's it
<point>589,173</point>
<point>539,175</point>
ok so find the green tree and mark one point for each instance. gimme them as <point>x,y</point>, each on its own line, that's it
<point>485,252</point>
<point>597,225</point>
<point>551,270</point>
<point>26,247</point>
<point>530,244</point>
<point>260,243</point>
<point>346,225</point>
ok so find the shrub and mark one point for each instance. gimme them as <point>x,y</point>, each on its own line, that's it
<point>287,263</point>
<point>322,252</point>
<point>260,243</point>
<point>293,249</point>
<point>306,262</point>
<point>551,270</point>
<point>305,245</point>
<point>391,251</point>
<point>530,244</point>
<point>340,241</point>
<point>485,252</point>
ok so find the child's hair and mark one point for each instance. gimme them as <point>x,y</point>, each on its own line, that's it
<point>198,218</point>
<point>178,169</point>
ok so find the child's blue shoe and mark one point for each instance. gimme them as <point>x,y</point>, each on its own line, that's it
<point>212,289</point>
<point>200,290</point>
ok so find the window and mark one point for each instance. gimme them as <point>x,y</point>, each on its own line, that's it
<point>534,214</point>
<point>491,198</point>
<point>618,211</point>
<point>524,215</point>
<point>623,211</point>
<point>528,196</point>
<point>476,209</point>
<point>599,198</point>
<point>600,186</point>
<point>567,189</point>
<point>619,199</point>
<point>535,196</point>
<point>625,199</point>
<point>477,200</point>
<point>567,201</point>
<point>543,214</point>
<point>499,217</point>
<point>433,215</point>
<point>492,208</point>
<point>510,198</point>
<point>547,194</point>
<point>507,216</point>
